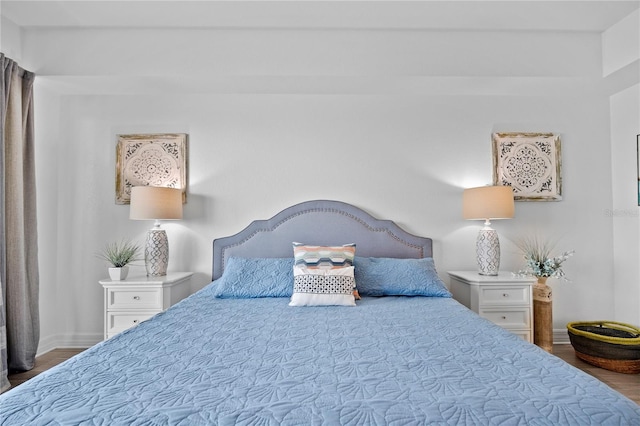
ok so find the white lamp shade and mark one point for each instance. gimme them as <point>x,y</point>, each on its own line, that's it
<point>152,202</point>
<point>488,202</point>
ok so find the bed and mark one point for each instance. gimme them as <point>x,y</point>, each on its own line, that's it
<point>236,352</point>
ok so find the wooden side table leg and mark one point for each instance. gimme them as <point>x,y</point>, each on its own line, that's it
<point>543,315</point>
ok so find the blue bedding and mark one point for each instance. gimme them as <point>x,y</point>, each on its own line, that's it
<point>390,360</point>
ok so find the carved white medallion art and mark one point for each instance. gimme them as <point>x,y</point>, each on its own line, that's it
<point>150,160</point>
<point>529,163</point>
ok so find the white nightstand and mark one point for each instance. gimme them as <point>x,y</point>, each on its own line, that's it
<point>504,299</point>
<point>131,301</point>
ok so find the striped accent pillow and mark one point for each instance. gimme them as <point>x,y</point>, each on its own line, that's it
<point>324,257</point>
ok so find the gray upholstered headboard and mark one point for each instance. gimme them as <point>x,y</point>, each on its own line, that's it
<point>319,222</point>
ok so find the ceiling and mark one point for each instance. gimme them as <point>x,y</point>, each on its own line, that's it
<point>574,15</point>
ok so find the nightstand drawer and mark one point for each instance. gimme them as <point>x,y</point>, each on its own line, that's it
<point>523,334</point>
<point>508,318</point>
<point>505,295</point>
<point>120,321</point>
<point>129,302</point>
<point>504,299</point>
<point>137,298</point>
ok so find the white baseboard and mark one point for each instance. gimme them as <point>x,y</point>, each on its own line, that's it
<point>561,337</point>
<point>68,340</point>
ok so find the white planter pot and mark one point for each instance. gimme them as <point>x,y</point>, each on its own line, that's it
<point>118,274</point>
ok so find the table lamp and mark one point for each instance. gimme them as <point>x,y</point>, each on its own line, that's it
<point>487,203</point>
<point>156,203</point>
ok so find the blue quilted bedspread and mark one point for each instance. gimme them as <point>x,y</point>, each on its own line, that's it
<point>391,360</point>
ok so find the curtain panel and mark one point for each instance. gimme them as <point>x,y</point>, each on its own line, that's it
<point>19,276</point>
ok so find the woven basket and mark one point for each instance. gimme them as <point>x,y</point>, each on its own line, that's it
<point>611,345</point>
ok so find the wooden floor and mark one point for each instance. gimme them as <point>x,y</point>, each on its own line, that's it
<point>627,384</point>
<point>43,363</point>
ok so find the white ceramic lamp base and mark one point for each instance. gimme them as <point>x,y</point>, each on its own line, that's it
<point>156,252</point>
<point>488,251</point>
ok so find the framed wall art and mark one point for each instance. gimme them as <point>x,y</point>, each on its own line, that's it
<point>530,163</point>
<point>150,159</point>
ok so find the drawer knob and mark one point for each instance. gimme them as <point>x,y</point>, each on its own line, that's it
<point>504,318</point>
<point>505,294</point>
<point>135,321</point>
<point>136,297</point>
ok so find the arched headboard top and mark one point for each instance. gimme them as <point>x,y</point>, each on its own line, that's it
<point>319,222</point>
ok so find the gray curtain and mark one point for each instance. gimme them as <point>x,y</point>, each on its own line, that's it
<point>19,315</point>
<point>4,365</point>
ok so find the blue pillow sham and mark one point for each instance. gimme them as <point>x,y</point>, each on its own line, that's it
<point>246,278</point>
<point>383,276</point>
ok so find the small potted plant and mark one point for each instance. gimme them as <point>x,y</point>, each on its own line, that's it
<point>119,255</point>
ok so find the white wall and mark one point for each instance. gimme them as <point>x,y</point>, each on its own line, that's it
<point>625,215</point>
<point>621,54</point>
<point>621,44</point>
<point>10,39</point>
<point>403,117</point>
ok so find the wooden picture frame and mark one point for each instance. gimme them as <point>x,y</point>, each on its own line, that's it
<point>530,163</point>
<point>150,159</point>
